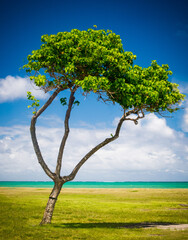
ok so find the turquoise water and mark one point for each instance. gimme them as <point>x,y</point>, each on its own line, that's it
<point>162,185</point>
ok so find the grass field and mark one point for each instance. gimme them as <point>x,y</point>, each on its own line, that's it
<point>94,214</point>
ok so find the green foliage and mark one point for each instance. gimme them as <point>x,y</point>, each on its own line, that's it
<point>39,80</point>
<point>94,60</point>
<point>35,102</point>
<point>76,103</point>
<point>63,101</point>
<point>147,88</point>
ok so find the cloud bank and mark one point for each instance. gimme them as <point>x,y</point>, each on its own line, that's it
<point>185,119</point>
<point>12,88</point>
<point>149,151</point>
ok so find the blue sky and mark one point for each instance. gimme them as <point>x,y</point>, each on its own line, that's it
<point>156,150</point>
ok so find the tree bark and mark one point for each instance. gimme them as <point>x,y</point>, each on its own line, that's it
<point>66,133</point>
<point>95,149</point>
<point>34,138</point>
<point>47,217</point>
<point>72,175</point>
<point>58,180</point>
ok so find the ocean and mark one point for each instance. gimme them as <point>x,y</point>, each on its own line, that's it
<point>35,184</point>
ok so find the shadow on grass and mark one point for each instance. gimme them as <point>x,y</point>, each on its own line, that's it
<point>113,225</point>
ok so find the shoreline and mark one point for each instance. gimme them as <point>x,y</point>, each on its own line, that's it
<point>97,185</point>
<point>94,189</point>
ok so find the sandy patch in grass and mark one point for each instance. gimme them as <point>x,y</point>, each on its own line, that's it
<point>174,227</point>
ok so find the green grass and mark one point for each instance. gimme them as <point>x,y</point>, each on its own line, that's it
<point>99,214</point>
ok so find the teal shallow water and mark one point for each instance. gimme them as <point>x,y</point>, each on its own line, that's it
<point>162,185</point>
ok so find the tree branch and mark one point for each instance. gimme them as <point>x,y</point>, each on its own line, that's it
<point>66,133</point>
<point>95,149</point>
<point>72,175</point>
<point>34,138</point>
<point>135,111</point>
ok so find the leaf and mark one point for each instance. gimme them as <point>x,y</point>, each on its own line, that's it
<point>95,61</point>
<point>63,101</point>
<point>76,103</point>
<point>35,102</point>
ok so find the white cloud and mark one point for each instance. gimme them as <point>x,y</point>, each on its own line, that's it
<point>12,88</point>
<point>185,120</point>
<point>183,88</point>
<point>147,151</point>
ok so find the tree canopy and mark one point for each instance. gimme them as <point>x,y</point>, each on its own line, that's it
<point>94,60</point>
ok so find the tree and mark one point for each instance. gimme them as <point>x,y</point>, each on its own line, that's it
<point>94,61</point>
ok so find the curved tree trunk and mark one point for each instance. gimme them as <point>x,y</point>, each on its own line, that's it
<point>58,180</point>
<point>47,217</point>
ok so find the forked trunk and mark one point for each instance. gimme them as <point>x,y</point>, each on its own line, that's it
<point>51,203</point>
